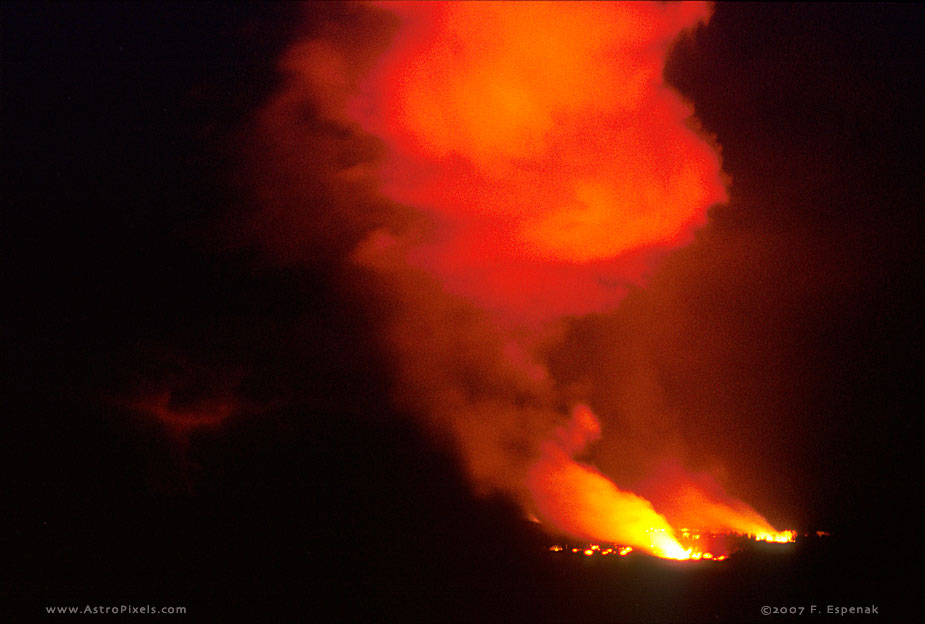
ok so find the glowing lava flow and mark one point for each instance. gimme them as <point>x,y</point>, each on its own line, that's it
<point>689,554</point>
<point>576,498</point>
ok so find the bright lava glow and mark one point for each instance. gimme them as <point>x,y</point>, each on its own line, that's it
<point>663,546</point>
<point>576,498</point>
<point>781,537</point>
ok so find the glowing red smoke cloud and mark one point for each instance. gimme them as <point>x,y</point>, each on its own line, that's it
<point>544,141</point>
<point>552,167</point>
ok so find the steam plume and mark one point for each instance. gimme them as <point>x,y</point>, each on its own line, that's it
<point>531,164</point>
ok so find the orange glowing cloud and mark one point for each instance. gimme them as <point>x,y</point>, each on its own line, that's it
<point>543,139</point>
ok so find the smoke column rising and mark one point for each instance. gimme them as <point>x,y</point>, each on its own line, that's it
<point>532,165</point>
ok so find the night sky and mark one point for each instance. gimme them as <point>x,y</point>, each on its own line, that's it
<point>206,405</point>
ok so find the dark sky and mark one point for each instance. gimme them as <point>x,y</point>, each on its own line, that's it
<point>132,267</point>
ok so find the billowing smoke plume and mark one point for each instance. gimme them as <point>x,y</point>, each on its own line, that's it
<point>543,141</point>
<point>478,171</point>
